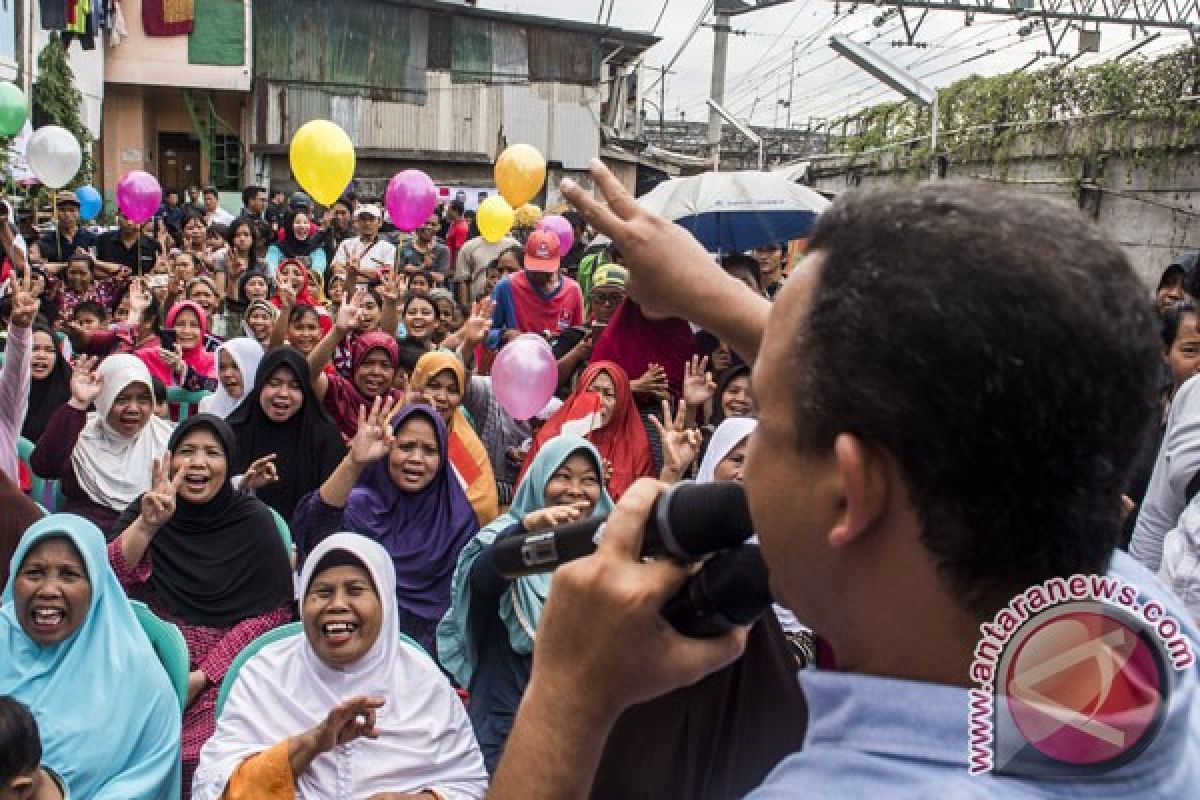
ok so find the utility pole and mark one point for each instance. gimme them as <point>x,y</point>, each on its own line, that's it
<point>716,90</point>
<point>662,101</point>
<point>791,84</point>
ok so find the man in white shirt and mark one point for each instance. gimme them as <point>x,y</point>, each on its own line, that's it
<point>213,213</point>
<point>470,267</point>
<point>369,254</point>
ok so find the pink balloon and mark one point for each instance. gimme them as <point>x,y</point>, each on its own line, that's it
<point>411,197</point>
<point>561,228</point>
<point>138,195</point>
<point>524,376</point>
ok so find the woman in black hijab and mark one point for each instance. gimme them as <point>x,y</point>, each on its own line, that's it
<point>206,558</point>
<point>282,417</point>
<point>50,384</point>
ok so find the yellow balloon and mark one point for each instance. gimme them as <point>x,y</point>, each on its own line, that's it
<point>494,218</point>
<point>322,158</point>
<point>520,173</point>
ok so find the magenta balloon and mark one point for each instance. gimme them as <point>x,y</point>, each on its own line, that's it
<point>138,195</point>
<point>524,376</point>
<point>561,228</point>
<point>411,197</point>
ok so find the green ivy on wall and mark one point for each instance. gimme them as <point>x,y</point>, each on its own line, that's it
<point>1138,109</point>
<point>56,101</point>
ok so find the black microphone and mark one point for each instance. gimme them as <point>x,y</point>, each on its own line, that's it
<point>731,589</point>
<point>690,520</point>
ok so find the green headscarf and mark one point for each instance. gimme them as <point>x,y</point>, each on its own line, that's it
<point>521,604</point>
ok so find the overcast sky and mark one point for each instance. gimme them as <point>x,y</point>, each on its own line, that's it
<point>825,86</point>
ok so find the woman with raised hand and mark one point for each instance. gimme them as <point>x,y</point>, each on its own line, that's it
<point>486,638</point>
<point>441,380</point>
<point>104,458</point>
<point>72,650</point>
<point>374,359</point>
<point>396,486</point>
<point>346,709</point>
<point>282,422</point>
<point>206,558</point>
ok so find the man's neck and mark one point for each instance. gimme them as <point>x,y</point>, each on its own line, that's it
<point>129,238</point>
<point>772,277</point>
<point>368,239</point>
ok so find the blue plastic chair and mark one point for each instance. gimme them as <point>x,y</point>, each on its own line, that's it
<point>170,647</point>
<point>275,635</point>
<point>184,403</point>
<point>47,494</point>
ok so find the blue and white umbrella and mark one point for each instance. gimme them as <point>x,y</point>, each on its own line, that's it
<point>736,211</point>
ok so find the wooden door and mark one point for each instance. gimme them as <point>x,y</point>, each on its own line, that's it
<point>178,162</point>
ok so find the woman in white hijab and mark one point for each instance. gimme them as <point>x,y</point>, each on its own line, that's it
<point>105,458</point>
<point>726,451</point>
<point>347,710</point>
<point>237,364</point>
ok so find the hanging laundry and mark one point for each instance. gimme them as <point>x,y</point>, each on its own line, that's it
<point>116,24</point>
<point>54,14</point>
<point>168,17</point>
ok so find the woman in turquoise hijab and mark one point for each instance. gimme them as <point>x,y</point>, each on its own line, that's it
<point>72,650</point>
<point>486,638</point>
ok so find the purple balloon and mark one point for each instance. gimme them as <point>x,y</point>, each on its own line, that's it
<point>138,195</point>
<point>411,197</point>
<point>524,376</point>
<point>561,228</point>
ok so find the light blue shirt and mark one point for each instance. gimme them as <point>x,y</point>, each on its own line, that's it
<point>872,737</point>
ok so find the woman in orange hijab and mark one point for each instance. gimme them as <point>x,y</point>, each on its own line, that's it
<point>440,378</point>
<point>602,410</point>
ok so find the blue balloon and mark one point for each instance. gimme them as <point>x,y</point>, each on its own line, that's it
<point>90,202</point>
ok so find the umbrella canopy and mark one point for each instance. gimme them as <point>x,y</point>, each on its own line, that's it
<point>735,211</point>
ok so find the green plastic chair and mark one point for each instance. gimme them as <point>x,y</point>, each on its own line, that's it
<point>274,635</point>
<point>248,652</point>
<point>285,533</point>
<point>183,403</point>
<point>47,494</point>
<point>169,645</point>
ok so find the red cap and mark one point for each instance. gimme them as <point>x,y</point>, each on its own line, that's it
<point>542,251</point>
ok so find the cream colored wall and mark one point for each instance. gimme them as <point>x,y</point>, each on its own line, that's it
<point>163,60</point>
<point>134,116</point>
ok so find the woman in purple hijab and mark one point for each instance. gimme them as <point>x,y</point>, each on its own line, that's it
<point>395,486</point>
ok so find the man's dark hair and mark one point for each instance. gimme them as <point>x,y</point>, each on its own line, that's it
<point>410,354</point>
<point>1173,318</point>
<point>20,742</point>
<point>1000,348</point>
<point>738,264</point>
<point>249,193</point>
<point>91,307</point>
<point>160,390</point>
<point>578,224</point>
<point>459,207</point>
<point>212,190</point>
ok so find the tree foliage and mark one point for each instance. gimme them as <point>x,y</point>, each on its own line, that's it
<point>57,101</point>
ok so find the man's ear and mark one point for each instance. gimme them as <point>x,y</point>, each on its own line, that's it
<point>862,477</point>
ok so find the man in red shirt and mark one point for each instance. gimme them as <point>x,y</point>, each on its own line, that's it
<point>456,237</point>
<point>539,299</point>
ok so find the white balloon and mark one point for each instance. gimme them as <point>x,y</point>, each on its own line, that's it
<point>53,155</point>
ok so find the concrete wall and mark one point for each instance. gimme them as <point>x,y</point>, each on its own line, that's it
<point>134,116</point>
<point>1150,205</point>
<point>163,60</point>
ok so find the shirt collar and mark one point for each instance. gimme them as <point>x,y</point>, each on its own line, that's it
<point>886,716</point>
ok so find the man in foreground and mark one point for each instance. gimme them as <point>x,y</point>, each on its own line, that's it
<point>949,388</point>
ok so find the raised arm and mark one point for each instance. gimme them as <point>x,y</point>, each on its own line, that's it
<point>670,273</point>
<point>287,300</point>
<point>348,317</point>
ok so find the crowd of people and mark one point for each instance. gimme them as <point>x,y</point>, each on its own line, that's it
<point>278,432</point>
